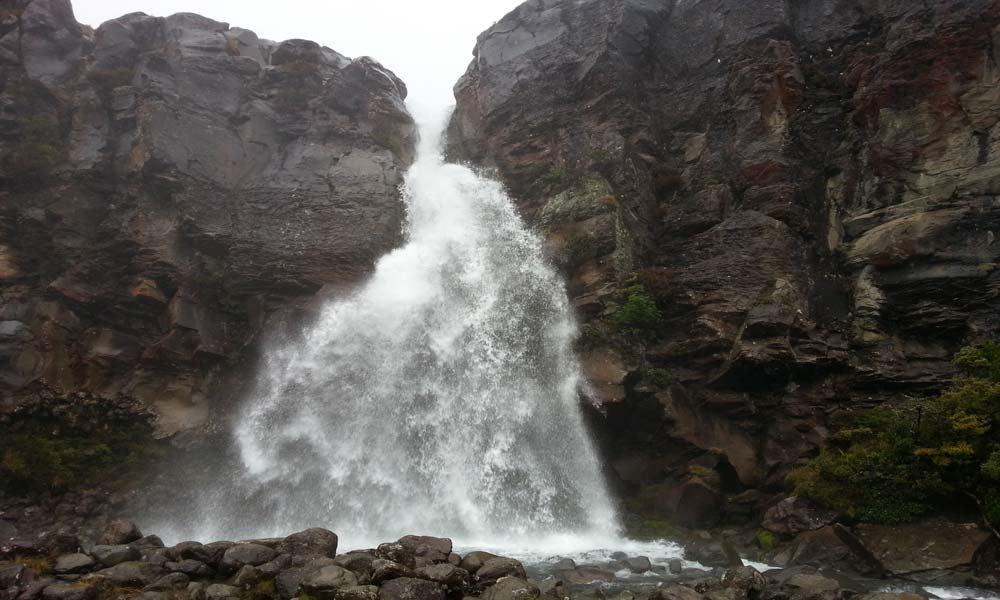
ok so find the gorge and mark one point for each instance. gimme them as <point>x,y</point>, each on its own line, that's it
<point>674,256</point>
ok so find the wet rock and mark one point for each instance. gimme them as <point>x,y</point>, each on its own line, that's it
<point>358,562</point>
<point>512,588</point>
<point>384,570</point>
<point>120,532</point>
<point>247,576</point>
<point>270,570</point>
<point>677,592</point>
<point>495,568</point>
<point>747,581</point>
<point>420,544</point>
<point>148,543</point>
<point>132,573</point>
<point>445,574</point>
<point>675,566</point>
<point>638,564</point>
<point>794,515</point>
<point>74,563</point>
<point>326,580</point>
<point>110,556</point>
<point>830,547</point>
<point>219,591</point>
<point>311,542</point>
<point>585,575</point>
<point>245,554</point>
<point>564,564</point>
<point>12,575</point>
<point>356,592</point>
<point>473,561</point>
<point>288,581</point>
<point>924,547</point>
<point>398,553</point>
<point>193,568</point>
<point>406,588</point>
<point>168,583</point>
<point>69,591</point>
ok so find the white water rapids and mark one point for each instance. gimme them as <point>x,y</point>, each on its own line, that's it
<point>439,398</point>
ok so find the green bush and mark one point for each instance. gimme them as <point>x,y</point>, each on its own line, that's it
<point>638,313</point>
<point>766,539</point>
<point>657,377</point>
<point>895,464</point>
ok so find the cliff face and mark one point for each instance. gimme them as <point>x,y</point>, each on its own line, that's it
<point>808,190</point>
<point>166,186</point>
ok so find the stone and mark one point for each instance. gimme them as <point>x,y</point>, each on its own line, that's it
<point>193,568</point>
<point>794,515</point>
<point>638,564</point>
<point>358,562</point>
<point>383,570</point>
<point>132,574</point>
<point>311,542</point>
<point>677,592</point>
<point>512,588</point>
<point>407,588</point>
<point>473,561</point>
<point>445,574</point>
<point>905,549</point>
<point>564,564</point>
<point>69,591</point>
<point>13,575</point>
<point>288,582</point>
<point>74,563</point>
<point>110,556</point>
<point>675,566</point>
<point>495,568</point>
<point>397,552</point>
<point>242,554</point>
<point>169,582</point>
<point>356,592</point>
<point>585,575</point>
<point>328,579</point>
<point>219,591</point>
<point>247,577</point>
<point>421,543</point>
<point>120,532</point>
<point>747,581</point>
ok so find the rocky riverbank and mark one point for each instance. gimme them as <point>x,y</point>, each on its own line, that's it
<point>121,562</point>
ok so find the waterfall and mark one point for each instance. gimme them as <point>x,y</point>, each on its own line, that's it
<point>439,398</point>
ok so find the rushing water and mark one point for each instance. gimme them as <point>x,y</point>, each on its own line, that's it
<point>440,398</point>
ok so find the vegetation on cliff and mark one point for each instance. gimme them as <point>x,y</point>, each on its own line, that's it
<point>895,463</point>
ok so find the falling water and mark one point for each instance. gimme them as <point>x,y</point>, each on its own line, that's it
<point>439,398</point>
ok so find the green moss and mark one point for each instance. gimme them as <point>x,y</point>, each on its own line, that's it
<point>655,529</point>
<point>709,476</point>
<point>38,150</point>
<point>39,564</point>
<point>765,539</point>
<point>557,178</point>
<point>660,378</point>
<point>66,452</point>
<point>106,80</point>
<point>895,464</point>
<point>638,313</point>
<point>579,248</point>
<point>107,590</point>
<point>263,591</point>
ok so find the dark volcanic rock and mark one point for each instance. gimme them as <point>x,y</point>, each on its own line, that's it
<point>169,186</point>
<point>803,188</point>
<point>406,588</point>
<point>120,532</point>
<point>311,542</point>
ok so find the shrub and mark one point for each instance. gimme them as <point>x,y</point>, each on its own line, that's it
<point>765,539</point>
<point>657,377</point>
<point>106,80</point>
<point>638,313</point>
<point>580,248</point>
<point>233,47</point>
<point>895,464</point>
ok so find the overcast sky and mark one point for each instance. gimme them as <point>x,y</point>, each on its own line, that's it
<point>428,43</point>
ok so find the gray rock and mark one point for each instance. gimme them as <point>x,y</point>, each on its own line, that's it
<point>407,588</point>
<point>270,570</point>
<point>328,579</point>
<point>247,577</point>
<point>218,591</point>
<point>356,592</point>
<point>358,562</point>
<point>312,542</point>
<point>384,570</point>
<point>564,564</point>
<point>675,566</point>
<point>512,588</point>
<point>397,553</point>
<point>677,592</point>
<point>169,582</point>
<point>585,575</point>
<point>495,568</point>
<point>193,568</point>
<point>245,554</point>
<point>638,564</point>
<point>110,556</point>
<point>794,515</point>
<point>132,573</point>
<point>287,582</point>
<point>473,561</point>
<point>74,563</point>
<point>445,574</point>
<point>748,581</point>
<point>69,591</point>
<point>421,543</point>
<point>120,532</point>
<point>13,575</point>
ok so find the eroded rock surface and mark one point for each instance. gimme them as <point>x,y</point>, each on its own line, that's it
<point>807,190</point>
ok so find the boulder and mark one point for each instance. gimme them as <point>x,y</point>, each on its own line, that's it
<point>132,574</point>
<point>512,588</point>
<point>13,575</point>
<point>585,575</point>
<point>247,577</point>
<point>356,592</point>
<point>120,532</point>
<point>169,583</point>
<point>219,591</point>
<point>242,554</point>
<point>924,547</point>
<point>832,547</point>
<point>397,552</point>
<point>193,568</point>
<point>74,563</point>
<point>287,582</point>
<point>326,580</point>
<point>638,564</point>
<point>383,570</point>
<point>473,561</point>
<point>495,568</point>
<point>793,515</point>
<point>110,556</point>
<point>69,591</point>
<point>445,574</point>
<point>358,562</point>
<point>408,588</point>
<point>311,542</point>
<point>677,592</point>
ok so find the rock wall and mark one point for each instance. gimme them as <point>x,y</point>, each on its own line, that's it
<point>167,186</point>
<point>810,191</point>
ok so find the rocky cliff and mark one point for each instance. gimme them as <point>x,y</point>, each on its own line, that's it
<point>807,190</point>
<point>168,186</point>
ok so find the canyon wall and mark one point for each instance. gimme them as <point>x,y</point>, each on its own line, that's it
<point>809,191</point>
<point>168,184</point>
